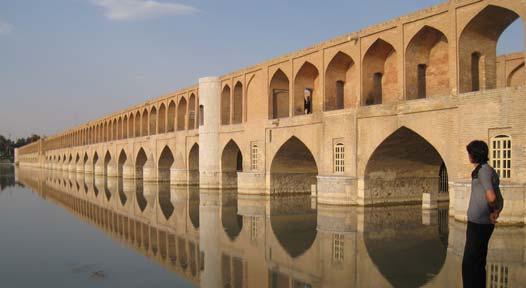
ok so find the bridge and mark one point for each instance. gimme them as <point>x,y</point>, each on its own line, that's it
<point>378,116</point>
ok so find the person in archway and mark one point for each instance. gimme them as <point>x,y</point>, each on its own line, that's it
<point>485,205</point>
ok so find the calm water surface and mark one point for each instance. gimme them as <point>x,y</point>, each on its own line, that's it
<point>64,229</point>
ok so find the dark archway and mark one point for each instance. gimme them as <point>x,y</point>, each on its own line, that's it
<point>231,163</point>
<point>225,105</point>
<point>140,160</point>
<point>401,168</point>
<point>293,169</point>
<point>306,89</point>
<point>122,161</point>
<point>339,82</point>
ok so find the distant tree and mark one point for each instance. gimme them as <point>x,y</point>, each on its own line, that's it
<point>7,146</point>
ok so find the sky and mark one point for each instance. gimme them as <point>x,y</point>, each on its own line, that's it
<point>66,62</point>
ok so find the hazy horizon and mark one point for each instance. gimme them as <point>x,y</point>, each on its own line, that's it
<point>66,62</point>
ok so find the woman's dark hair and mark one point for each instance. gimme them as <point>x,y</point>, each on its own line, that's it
<point>478,150</point>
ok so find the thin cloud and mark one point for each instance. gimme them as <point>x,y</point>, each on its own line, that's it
<point>120,10</point>
<point>5,28</point>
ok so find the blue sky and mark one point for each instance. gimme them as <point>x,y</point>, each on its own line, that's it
<point>65,62</point>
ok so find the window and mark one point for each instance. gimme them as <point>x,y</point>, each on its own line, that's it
<point>497,275</point>
<point>339,156</point>
<point>337,247</point>
<point>443,186</point>
<point>254,154</point>
<point>500,155</point>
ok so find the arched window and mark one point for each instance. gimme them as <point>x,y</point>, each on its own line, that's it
<point>500,155</point>
<point>339,156</point>
<point>254,154</point>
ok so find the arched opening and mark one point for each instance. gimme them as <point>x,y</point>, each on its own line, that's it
<point>517,77</point>
<point>119,129</point>
<point>293,169</point>
<point>140,160</point>
<point>237,114</point>
<point>122,161</point>
<point>144,126</point>
<point>77,159</point>
<point>125,127</point>
<point>295,230</point>
<point>191,112</point>
<point>427,65</point>
<point>380,79</point>
<point>138,124</point>
<point>107,160</point>
<point>478,48</point>
<point>193,165</point>
<point>225,105</point>
<point>85,161</point>
<point>162,119</point>
<point>339,84</point>
<point>231,163</point>
<point>401,169</point>
<point>153,121</point>
<point>166,161</point>
<point>391,240</point>
<point>181,114</point>
<point>231,220</point>
<point>305,89</point>
<point>114,130</point>
<point>171,116</point>
<point>279,95</point>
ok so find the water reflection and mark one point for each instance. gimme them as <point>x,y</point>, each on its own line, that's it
<point>220,239</point>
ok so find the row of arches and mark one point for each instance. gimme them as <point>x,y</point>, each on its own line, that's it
<point>157,119</point>
<point>426,70</point>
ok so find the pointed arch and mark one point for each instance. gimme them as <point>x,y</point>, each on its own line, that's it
<point>138,124</point>
<point>293,168</point>
<point>401,168</point>
<point>478,48</point>
<point>237,106</point>
<point>107,160</point>
<point>279,95</point>
<point>340,84</point>
<point>153,121</point>
<point>306,89</point>
<point>122,161</point>
<point>140,160</point>
<point>427,64</point>
<point>225,105</point>
<point>119,128</point>
<point>231,163</point>
<point>144,123</point>
<point>181,114</point>
<point>191,112</point>
<point>171,116</point>
<point>161,123</point>
<point>380,78</point>
<point>193,165</point>
<point>125,125</point>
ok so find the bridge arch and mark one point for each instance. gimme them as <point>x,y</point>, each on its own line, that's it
<point>279,95</point>
<point>237,106</point>
<point>477,46</point>
<point>231,163</point>
<point>340,82</point>
<point>171,116</point>
<point>402,167</point>
<point>161,123</point>
<point>517,76</point>
<point>107,160</point>
<point>293,168</point>
<point>137,124</point>
<point>144,122</point>
<point>380,78</point>
<point>140,160</point>
<point>153,121</point>
<point>191,112</point>
<point>123,158</point>
<point>427,64</point>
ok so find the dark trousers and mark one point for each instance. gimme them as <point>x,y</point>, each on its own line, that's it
<point>475,252</point>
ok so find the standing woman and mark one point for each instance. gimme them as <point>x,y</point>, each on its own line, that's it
<point>485,205</point>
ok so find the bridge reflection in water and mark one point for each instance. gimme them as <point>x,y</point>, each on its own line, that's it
<point>219,239</point>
